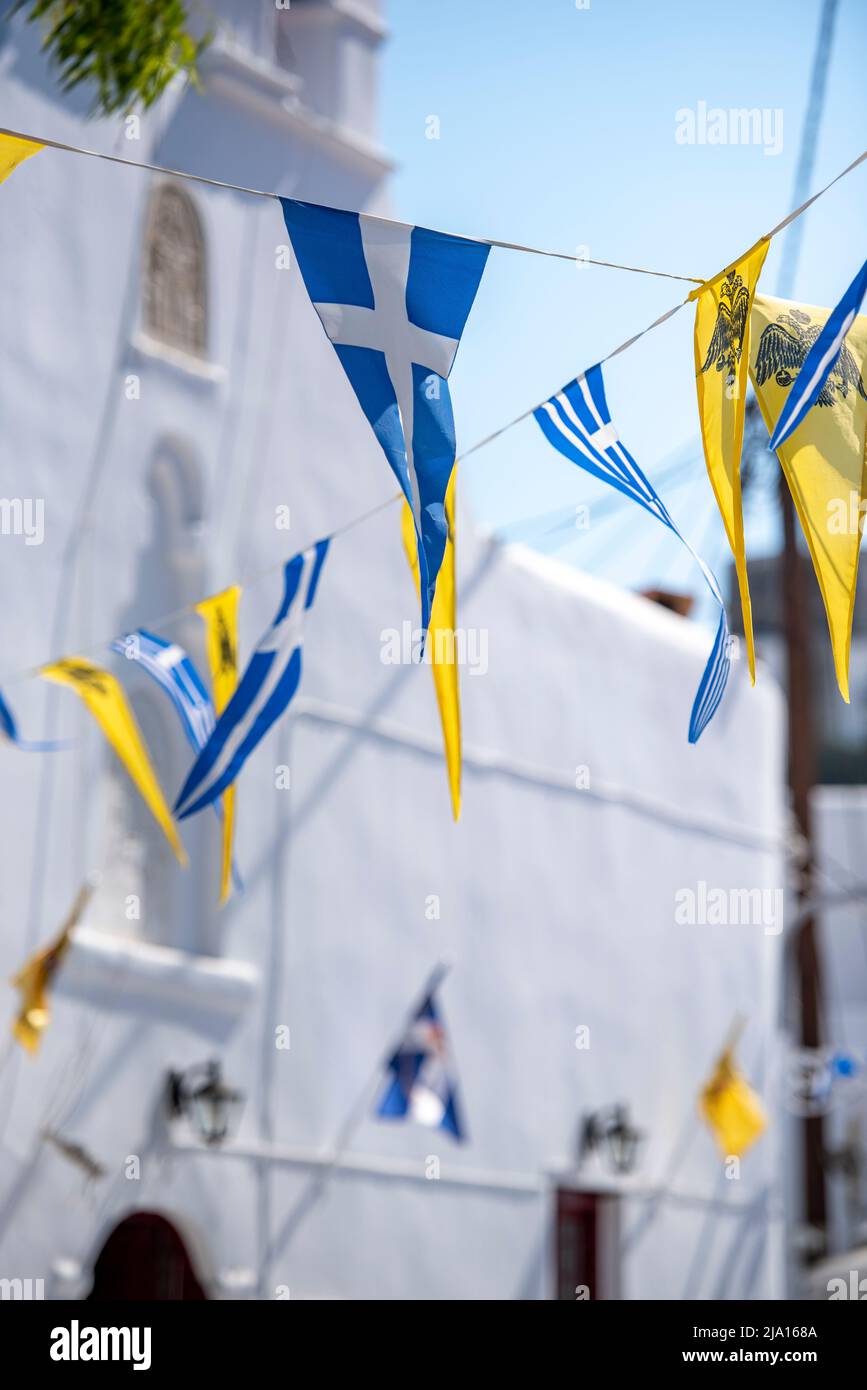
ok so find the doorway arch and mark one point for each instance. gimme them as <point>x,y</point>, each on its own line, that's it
<point>144,1259</point>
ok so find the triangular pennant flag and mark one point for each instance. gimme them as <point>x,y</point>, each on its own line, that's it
<point>823,459</point>
<point>421,1084</point>
<point>267,686</point>
<point>219,613</point>
<point>441,646</point>
<point>822,358</point>
<point>393,300</point>
<point>34,978</point>
<point>14,151</point>
<point>105,699</point>
<point>578,423</point>
<point>732,1108</point>
<point>722,351</point>
<point>174,671</point>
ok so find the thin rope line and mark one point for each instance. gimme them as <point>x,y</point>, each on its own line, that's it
<point>173,616</point>
<point>165,619</point>
<point>803,208</point>
<point>387,221</point>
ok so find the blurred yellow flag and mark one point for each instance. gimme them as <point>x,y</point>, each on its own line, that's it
<point>104,697</point>
<point>722,351</point>
<point>731,1108</point>
<point>441,640</point>
<point>823,459</point>
<point>34,978</point>
<point>14,151</point>
<point>220,616</point>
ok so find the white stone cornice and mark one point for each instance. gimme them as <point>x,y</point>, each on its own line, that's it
<point>372,25</point>
<point>272,94</point>
<point>139,977</point>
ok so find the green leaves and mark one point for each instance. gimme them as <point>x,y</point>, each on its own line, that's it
<point>130,49</point>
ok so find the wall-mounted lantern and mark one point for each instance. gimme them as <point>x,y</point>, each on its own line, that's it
<point>200,1093</point>
<point>611,1129</point>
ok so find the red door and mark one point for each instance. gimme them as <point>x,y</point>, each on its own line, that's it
<point>577,1245</point>
<point>144,1260</point>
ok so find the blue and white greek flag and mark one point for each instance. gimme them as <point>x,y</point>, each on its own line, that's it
<point>421,1085</point>
<point>578,423</point>
<point>265,689</point>
<point>819,362</point>
<point>171,666</point>
<point>173,669</point>
<point>393,300</point>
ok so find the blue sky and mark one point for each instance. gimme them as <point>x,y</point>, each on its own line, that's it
<point>557,128</point>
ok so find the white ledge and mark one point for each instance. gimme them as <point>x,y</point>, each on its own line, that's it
<point>146,346</point>
<point>271,94</point>
<point>121,972</point>
<point>228,56</point>
<point>366,21</point>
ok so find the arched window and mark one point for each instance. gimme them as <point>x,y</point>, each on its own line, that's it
<point>143,892</point>
<point>175,291</point>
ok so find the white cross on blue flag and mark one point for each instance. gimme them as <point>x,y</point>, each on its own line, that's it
<point>393,300</point>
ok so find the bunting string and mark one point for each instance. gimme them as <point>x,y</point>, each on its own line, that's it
<point>175,615</point>
<point>387,221</point>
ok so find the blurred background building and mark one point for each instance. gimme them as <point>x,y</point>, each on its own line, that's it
<point>167,390</point>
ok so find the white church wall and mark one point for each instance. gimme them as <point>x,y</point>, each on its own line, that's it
<point>556,904</point>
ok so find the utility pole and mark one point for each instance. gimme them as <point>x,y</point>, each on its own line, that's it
<point>802,736</point>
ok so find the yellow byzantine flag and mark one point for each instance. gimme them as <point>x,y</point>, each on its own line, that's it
<point>220,616</point>
<point>722,351</point>
<point>441,639</point>
<point>823,459</point>
<point>732,1108</point>
<point>34,978</point>
<point>104,697</point>
<point>14,151</point>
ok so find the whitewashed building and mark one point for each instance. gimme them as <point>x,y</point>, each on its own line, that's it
<point>166,389</point>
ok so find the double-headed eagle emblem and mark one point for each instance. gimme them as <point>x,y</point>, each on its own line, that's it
<point>727,342</point>
<point>783,347</point>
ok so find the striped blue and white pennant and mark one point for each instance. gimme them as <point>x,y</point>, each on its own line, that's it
<point>174,671</point>
<point>578,424</point>
<point>819,362</point>
<point>264,691</point>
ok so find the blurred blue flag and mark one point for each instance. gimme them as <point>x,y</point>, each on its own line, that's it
<point>421,1084</point>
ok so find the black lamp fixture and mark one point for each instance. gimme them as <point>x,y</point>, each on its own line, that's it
<point>211,1107</point>
<point>611,1128</point>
